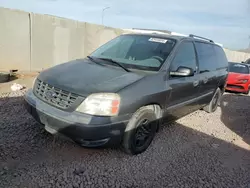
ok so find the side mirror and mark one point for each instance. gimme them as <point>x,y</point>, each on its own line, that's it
<point>182,72</point>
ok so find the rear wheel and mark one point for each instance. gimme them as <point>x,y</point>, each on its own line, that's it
<point>212,106</point>
<point>140,131</point>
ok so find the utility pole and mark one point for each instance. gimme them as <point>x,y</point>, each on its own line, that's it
<point>103,12</point>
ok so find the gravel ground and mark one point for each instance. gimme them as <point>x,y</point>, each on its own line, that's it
<point>199,150</point>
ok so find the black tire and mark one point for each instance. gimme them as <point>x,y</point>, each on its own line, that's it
<point>143,121</point>
<point>212,106</point>
<point>4,77</point>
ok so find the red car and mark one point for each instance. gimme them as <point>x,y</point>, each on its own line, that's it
<point>238,78</point>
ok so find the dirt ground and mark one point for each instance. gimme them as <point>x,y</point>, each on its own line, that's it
<point>199,150</point>
<point>25,80</point>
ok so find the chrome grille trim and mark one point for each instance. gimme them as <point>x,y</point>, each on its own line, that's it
<point>54,96</point>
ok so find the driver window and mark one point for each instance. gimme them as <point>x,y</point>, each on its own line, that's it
<point>185,57</point>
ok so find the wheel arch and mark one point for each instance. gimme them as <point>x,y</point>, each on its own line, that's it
<point>157,109</point>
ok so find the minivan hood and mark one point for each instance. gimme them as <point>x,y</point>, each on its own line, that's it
<point>84,77</point>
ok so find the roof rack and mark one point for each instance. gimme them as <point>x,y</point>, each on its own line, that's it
<point>195,36</point>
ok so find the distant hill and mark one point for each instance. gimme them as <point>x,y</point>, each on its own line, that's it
<point>247,50</point>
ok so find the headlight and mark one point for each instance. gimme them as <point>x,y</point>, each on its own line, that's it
<point>243,81</point>
<point>101,104</point>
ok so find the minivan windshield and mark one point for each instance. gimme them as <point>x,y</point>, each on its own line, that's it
<point>238,68</point>
<point>137,51</point>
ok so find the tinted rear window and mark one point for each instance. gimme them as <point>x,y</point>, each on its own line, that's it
<point>206,56</point>
<point>222,61</point>
<point>211,57</point>
<point>238,68</point>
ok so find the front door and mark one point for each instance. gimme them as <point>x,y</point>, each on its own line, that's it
<point>184,90</point>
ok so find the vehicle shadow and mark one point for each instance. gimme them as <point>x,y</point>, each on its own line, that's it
<point>179,156</point>
<point>235,114</point>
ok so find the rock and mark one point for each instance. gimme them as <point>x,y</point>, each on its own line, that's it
<point>50,172</point>
<point>215,145</point>
<point>2,173</point>
<point>79,171</point>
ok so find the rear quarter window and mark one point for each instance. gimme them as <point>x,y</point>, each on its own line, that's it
<point>222,61</point>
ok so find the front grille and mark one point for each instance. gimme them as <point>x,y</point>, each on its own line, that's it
<point>234,86</point>
<point>54,96</point>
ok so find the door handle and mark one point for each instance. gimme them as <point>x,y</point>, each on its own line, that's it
<point>196,83</point>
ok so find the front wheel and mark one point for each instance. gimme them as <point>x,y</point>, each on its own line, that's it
<point>212,106</point>
<point>140,131</point>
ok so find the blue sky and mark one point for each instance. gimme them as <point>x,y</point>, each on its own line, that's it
<point>225,21</point>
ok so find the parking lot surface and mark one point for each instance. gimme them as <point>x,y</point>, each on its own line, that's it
<point>199,150</point>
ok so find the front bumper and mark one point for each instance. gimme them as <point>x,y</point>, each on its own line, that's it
<point>237,87</point>
<point>88,130</point>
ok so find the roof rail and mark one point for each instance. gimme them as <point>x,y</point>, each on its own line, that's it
<point>195,36</point>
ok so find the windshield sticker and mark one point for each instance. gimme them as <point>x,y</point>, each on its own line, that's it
<point>158,40</point>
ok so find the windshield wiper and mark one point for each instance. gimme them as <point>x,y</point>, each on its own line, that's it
<point>115,62</point>
<point>93,60</point>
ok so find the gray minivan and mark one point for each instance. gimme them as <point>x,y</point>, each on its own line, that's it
<point>120,93</point>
